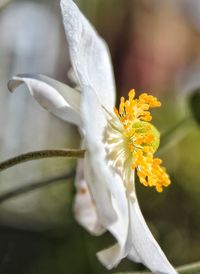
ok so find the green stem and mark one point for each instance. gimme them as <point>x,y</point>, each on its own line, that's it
<point>35,185</point>
<point>193,268</point>
<point>41,154</point>
<point>175,133</point>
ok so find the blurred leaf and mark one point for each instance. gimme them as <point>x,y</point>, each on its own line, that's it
<point>3,3</point>
<point>35,185</point>
<point>195,105</point>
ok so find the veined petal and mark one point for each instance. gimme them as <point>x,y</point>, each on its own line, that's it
<point>145,248</point>
<point>89,54</point>
<point>84,206</point>
<point>106,185</point>
<point>56,97</point>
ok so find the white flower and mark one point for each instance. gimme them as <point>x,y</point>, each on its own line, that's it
<point>106,198</point>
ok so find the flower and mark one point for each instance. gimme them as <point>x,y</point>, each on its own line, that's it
<point>131,142</point>
<point>117,143</point>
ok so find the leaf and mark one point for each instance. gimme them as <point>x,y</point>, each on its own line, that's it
<point>194,101</point>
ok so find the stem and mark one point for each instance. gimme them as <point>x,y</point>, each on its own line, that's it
<point>35,185</point>
<point>190,268</point>
<point>41,154</point>
<point>193,268</point>
<point>176,132</point>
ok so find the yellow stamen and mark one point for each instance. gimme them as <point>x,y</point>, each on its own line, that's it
<point>142,138</point>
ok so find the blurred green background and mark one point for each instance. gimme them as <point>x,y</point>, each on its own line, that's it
<point>154,47</point>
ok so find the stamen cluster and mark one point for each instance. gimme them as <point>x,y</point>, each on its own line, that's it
<point>142,139</point>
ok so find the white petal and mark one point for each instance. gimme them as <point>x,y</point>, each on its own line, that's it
<point>112,256</point>
<point>145,248</point>
<point>100,194</point>
<point>84,206</point>
<point>109,256</point>
<point>111,211</point>
<point>89,54</point>
<point>106,185</point>
<point>56,97</point>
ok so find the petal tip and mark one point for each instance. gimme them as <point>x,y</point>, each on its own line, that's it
<point>13,83</point>
<point>111,256</point>
<point>18,80</point>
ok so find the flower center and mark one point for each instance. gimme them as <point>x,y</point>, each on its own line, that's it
<point>131,141</point>
<point>142,136</point>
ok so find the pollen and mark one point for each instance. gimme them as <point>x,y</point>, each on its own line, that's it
<point>142,139</point>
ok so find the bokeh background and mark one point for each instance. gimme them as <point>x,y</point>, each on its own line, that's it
<point>155,47</point>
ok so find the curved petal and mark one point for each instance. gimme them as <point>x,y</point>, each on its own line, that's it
<point>105,184</point>
<point>89,54</point>
<point>100,194</point>
<point>57,98</point>
<point>111,256</point>
<point>84,207</point>
<point>145,248</point>
<point>112,214</point>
